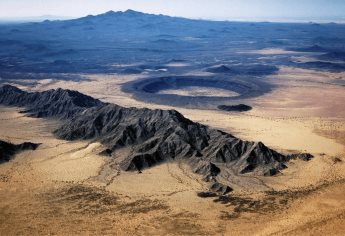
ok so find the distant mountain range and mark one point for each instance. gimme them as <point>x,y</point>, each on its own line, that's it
<point>32,19</point>
<point>93,44</point>
<point>129,11</point>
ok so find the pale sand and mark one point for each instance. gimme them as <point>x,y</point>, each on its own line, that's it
<point>37,196</point>
<point>200,91</point>
<point>177,64</point>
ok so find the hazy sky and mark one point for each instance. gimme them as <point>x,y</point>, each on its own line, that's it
<point>210,9</point>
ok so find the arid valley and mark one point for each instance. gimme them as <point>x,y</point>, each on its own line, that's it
<point>82,179</point>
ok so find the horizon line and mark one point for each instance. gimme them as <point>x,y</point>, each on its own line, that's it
<point>41,18</point>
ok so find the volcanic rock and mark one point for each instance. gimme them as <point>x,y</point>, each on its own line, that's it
<point>52,103</point>
<point>154,136</point>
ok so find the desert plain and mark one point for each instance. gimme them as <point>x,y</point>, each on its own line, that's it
<point>65,187</point>
<point>290,75</point>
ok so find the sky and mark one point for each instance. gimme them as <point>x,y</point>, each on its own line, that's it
<point>290,10</point>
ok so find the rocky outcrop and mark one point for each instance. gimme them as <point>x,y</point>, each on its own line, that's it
<point>238,108</point>
<point>9,150</point>
<point>302,156</point>
<point>154,136</point>
<point>220,188</point>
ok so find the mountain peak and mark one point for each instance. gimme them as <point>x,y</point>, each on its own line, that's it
<point>128,12</point>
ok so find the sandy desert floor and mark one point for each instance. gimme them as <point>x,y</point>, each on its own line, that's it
<point>65,188</point>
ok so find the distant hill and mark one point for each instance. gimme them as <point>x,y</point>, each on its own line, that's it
<point>219,69</point>
<point>339,55</point>
<point>32,19</point>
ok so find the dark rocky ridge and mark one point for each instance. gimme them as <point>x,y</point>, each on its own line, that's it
<point>238,108</point>
<point>8,150</point>
<point>154,136</point>
<point>158,135</point>
<point>52,103</point>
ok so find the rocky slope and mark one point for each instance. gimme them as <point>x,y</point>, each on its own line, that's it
<point>52,103</point>
<point>8,150</point>
<point>154,136</point>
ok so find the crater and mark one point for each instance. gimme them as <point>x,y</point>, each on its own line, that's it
<point>194,91</point>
